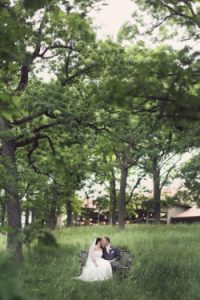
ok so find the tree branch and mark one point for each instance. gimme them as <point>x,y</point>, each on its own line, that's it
<point>188,3</point>
<point>77,74</point>
<point>56,46</point>
<point>24,77</point>
<point>179,13</point>
<point>35,131</point>
<point>34,139</point>
<point>160,22</point>
<point>157,98</point>
<point>32,117</point>
<point>148,110</point>
<point>134,187</point>
<point>45,126</point>
<point>167,175</point>
<point>167,147</point>
<point>67,64</point>
<point>34,147</point>
<point>92,126</point>
<point>25,142</point>
<point>164,162</point>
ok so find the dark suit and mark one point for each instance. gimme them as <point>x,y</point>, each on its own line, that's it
<point>112,254</point>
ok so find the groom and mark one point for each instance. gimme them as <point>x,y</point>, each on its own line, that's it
<point>110,253</point>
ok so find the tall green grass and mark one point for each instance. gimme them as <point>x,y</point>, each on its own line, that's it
<point>11,287</point>
<point>166,265</point>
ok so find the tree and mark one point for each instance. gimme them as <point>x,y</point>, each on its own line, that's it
<point>55,38</point>
<point>184,85</point>
<point>182,13</point>
<point>65,165</point>
<point>119,146</point>
<point>191,178</point>
<point>103,166</point>
<point>161,154</point>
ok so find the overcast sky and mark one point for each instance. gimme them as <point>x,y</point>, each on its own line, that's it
<point>111,17</point>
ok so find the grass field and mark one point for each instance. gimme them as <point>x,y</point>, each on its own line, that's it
<point>166,265</point>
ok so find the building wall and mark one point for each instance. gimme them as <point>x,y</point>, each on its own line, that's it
<point>61,221</point>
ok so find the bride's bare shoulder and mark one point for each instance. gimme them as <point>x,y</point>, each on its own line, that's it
<point>97,248</point>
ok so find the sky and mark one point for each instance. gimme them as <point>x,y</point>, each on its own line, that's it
<point>111,17</point>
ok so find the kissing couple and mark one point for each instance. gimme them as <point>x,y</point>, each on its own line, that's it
<point>102,260</point>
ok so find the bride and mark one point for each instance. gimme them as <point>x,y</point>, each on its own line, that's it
<point>96,268</point>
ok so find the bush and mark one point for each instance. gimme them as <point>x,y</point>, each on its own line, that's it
<point>42,236</point>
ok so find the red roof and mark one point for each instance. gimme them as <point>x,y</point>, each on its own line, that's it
<point>189,213</point>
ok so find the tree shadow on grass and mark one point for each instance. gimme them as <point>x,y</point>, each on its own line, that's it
<point>46,270</point>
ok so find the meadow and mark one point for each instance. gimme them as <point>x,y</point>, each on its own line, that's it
<point>166,265</point>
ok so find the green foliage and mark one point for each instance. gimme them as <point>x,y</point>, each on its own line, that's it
<point>137,80</point>
<point>10,283</point>
<point>102,203</point>
<point>24,42</point>
<point>190,173</point>
<point>35,5</point>
<point>182,13</point>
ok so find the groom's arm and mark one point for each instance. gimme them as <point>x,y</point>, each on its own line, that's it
<point>117,254</point>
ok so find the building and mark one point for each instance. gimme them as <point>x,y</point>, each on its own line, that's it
<point>146,215</point>
<point>89,215</point>
<point>191,215</point>
<point>143,214</point>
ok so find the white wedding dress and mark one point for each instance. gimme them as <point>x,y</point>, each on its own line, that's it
<point>93,273</point>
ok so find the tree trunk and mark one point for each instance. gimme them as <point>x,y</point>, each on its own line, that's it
<point>147,219</point>
<point>3,212</point>
<point>69,213</point>
<point>11,193</point>
<point>113,199</point>
<point>33,215</point>
<point>53,209</point>
<point>156,190</point>
<point>27,214</point>
<point>122,197</point>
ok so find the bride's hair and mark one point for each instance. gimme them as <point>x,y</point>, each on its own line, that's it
<point>98,240</point>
